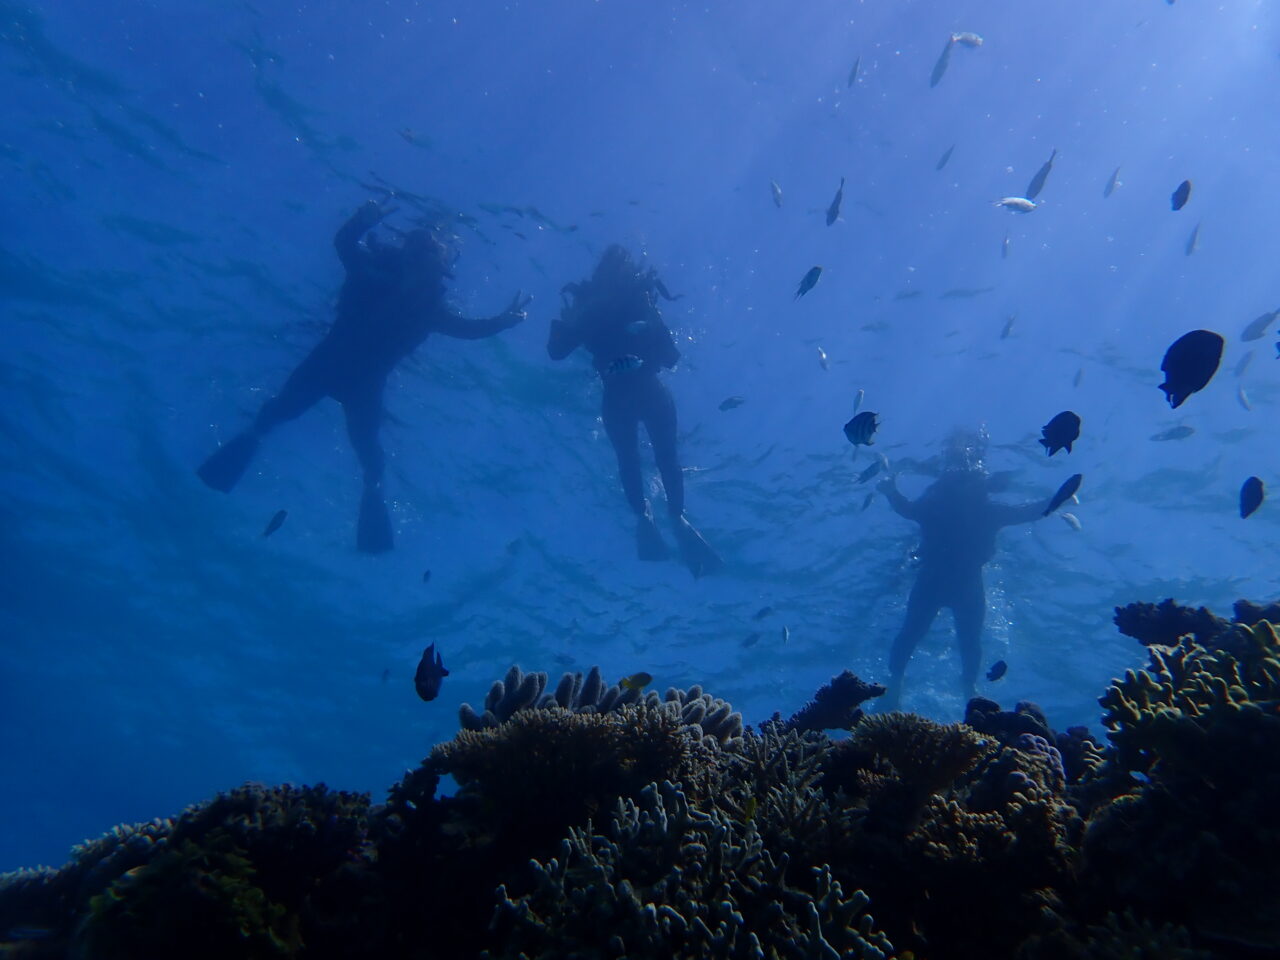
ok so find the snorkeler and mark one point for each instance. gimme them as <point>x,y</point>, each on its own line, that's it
<point>958,526</point>
<point>391,300</point>
<point>615,316</point>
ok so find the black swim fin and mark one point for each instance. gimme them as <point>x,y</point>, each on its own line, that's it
<point>649,542</point>
<point>696,552</point>
<point>226,465</point>
<point>373,531</point>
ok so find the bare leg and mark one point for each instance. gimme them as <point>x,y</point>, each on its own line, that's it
<point>622,424</point>
<point>364,417</point>
<point>659,415</point>
<point>922,608</point>
<point>970,609</point>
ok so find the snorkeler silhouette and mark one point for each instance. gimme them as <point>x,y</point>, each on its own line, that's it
<point>391,300</point>
<point>958,526</point>
<point>615,316</point>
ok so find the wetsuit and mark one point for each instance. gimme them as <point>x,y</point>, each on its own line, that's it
<point>958,527</point>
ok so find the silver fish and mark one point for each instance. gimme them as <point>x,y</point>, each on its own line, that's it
<point>1243,397</point>
<point>1114,182</point>
<point>1180,432</point>
<point>786,634</point>
<point>1008,327</point>
<point>822,359</point>
<point>777,193</point>
<point>967,39</point>
<point>1004,248</point>
<point>1072,521</point>
<point>1243,365</point>
<point>857,400</point>
<point>1016,204</point>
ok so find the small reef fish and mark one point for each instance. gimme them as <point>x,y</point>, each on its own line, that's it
<point>275,523</point>
<point>940,67</point>
<point>1243,398</point>
<point>1008,327</point>
<point>751,640</point>
<point>1065,492</point>
<point>728,403</point>
<point>786,635</point>
<point>1078,377</point>
<point>998,670</point>
<point>946,156</point>
<point>867,502</point>
<point>1193,241</point>
<point>1060,432</point>
<point>853,73</point>
<point>1072,521</point>
<point>637,681</point>
<point>762,613</point>
<point>1004,248</point>
<point>1243,364</point>
<point>1016,204</point>
<point>906,294</point>
<point>1257,328</point>
<point>749,808</point>
<point>965,293</point>
<point>833,211</point>
<point>626,364</point>
<point>1181,195</point>
<point>822,359</point>
<point>1189,364</point>
<point>871,471</point>
<point>967,39</point>
<point>1037,182</point>
<point>857,400</point>
<point>430,675</point>
<point>861,428</point>
<point>777,193</point>
<point>1114,182</point>
<point>1251,496</point>
<point>1180,432</point>
<point>808,282</point>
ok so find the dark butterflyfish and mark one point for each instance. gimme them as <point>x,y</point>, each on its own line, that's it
<point>1037,182</point>
<point>946,156</point>
<point>1065,493</point>
<point>627,364</point>
<point>637,681</point>
<point>275,523</point>
<point>728,403</point>
<point>833,211</point>
<point>1180,432</point>
<point>944,60</point>
<point>1061,432</point>
<point>1181,195</point>
<point>861,428</point>
<point>1190,364</point>
<point>997,670</point>
<point>1257,328</point>
<point>809,282</point>
<point>1251,495</point>
<point>430,675</point>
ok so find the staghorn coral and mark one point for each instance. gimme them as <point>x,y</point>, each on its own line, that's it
<point>835,705</point>
<point>672,881</point>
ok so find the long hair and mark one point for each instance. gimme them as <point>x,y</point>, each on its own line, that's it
<point>616,277</point>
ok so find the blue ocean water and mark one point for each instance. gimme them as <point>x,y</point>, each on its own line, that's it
<point>173,175</point>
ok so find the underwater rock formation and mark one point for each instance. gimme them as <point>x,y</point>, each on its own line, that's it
<point>835,705</point>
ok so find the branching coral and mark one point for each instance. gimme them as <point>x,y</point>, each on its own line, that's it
<point>835,705</point>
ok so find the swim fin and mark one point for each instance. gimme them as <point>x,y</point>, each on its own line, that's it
<point>696,552</point>
<point>226,465</point>
<point>649,542</point>
<point>373,531</point>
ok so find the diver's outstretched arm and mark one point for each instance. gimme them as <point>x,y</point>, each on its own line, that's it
<point>347,240</point>
<point>464,328</point>
<point>901,505</point>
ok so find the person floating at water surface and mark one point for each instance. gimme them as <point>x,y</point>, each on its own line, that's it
<point>958,527</point>
<point>615,316</point>
<point>391,300</point>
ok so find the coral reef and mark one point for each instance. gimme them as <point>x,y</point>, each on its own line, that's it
<point>835,705</point>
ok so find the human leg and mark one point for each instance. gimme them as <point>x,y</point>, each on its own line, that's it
<point>970,610</point>
<point>622,425</point>
<point>363,412</point>
<point>922,608</point>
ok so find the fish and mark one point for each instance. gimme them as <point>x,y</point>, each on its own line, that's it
<point>1004,248</point>
<point>1037,182</point>
<point>728,403</point>
<point>275,523</point>
<point>808,282</point>
<point>762,613</point>
<point>906,294</point>
<point>777,193</point>
<point>833,211</point>
<point>822,359</point>
<point>857,400</point>
<point>967,39</point>
<point>1060,432</point>
<point>867,502</point>
<point>1243,365</point>
<point>871,471</point>
<point>626,364</point>
<point>1257,328</point>
<point>751,640</point>
<point>1193,241</point>
<point>426,576</point>
<point>1072,521</point>
<point>1065,492</point>
<point>1243,398</point>
<point>1180,432</point>
<point>1181,195</point>
<point>749,808</point>
<point>786,634</point>
<point>861,428</point>
<point>1114,182</point>
<point>944,60</point>
<point>997,670</point>
<point>637,681</point>
<point>430,675</point>
<point>965,293</point>
<point>1251,496</point>
<point>1075,382</point>
<point>1189,364</point>
<point>1008,327</point>
<point>637,327</point>
<point>942,160</point>
<point>853,73</point>
<point>1016,204</point>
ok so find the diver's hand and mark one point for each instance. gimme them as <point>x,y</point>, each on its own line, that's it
<point>371,213</point>
<point>516,312</point>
